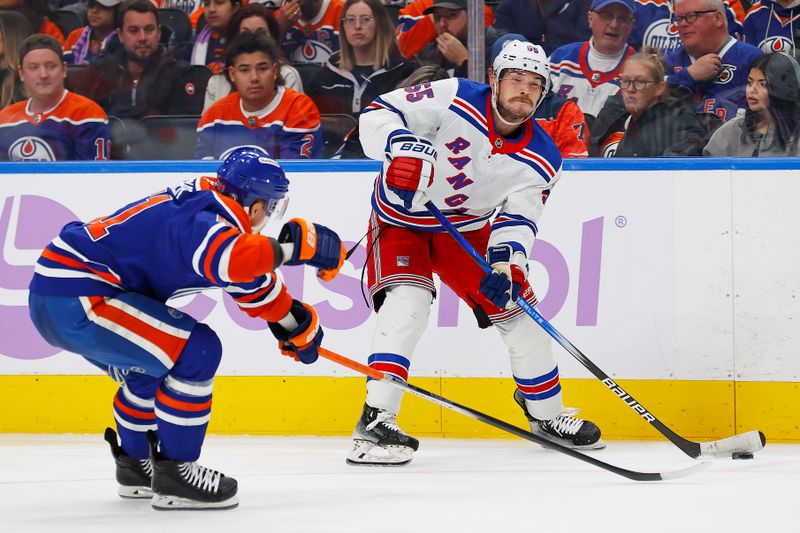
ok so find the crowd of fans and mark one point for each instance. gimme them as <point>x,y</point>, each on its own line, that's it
<point>99,79</point>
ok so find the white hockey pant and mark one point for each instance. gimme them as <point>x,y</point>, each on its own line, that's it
<point>402,320</point>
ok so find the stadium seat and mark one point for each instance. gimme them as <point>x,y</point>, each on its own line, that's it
<point>307,71</point>
<point>72,71</point>
<point>166,137</point>
<point>334,127</point>
<point>194,79</point>
<point>67,21</point>
<point>178,22</point>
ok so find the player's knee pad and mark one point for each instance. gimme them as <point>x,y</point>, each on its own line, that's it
<point>200,357</point>
<point>526,341</point>
<point>402,319</point>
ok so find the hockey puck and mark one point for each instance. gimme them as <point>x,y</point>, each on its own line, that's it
<point>741,455</point>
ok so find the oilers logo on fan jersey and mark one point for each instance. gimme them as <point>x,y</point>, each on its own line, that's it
<point>31,149</point>
<point>314,41</point>
<point>663,35</point>
<point>772,27</point>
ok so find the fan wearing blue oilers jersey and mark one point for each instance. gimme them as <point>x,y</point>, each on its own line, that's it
<point>475,152</point>
<point>710,67</point>
<point>100,290</point>
<point>774,26</point>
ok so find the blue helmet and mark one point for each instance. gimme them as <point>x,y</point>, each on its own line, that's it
<point>249,174</point>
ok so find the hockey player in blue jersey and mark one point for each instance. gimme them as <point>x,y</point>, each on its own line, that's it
<point>100,290</point>
<point>476,153</point>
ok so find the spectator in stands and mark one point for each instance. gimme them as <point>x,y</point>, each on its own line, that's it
<point>771,124</point>
<point>312,34</point>
<point>193,8</point>
<point>13,30</point>
<point>773,26</point>
<point>643,121</point>
<point>586,72</point>
<point>53,124</point>
<point>656,27</point>
<point>84,44</point>
<point>550,24</point>
<point>710,67</point>
<point>252,18</point>
<point>138,79</point>
<point>262,112</point>
<point>367,65</point>
<point>449,50</point>
<point>415,29</point>
<point>37,12</point>
<point>351,145</point>
<point>210,43</point>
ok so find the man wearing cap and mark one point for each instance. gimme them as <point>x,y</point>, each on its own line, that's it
<point>84,44</point>
<point>586,72</point>
<point>449,49</point>
<point>53,124</point>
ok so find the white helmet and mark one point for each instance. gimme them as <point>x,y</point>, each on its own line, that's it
<point>521,55</point>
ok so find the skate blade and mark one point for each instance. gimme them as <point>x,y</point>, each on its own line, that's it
<point>599,445</point>
<point>163,502</point>
<point>135,493</point>
<point>365,453</point>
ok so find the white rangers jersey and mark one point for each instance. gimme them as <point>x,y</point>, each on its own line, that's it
<point>587,85</point>
<point>477,174</point>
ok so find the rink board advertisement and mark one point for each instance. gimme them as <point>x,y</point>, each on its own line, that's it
<point>657,270</point>
<point>637,268</point>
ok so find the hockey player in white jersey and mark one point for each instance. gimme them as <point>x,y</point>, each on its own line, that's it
<point>474,151</point>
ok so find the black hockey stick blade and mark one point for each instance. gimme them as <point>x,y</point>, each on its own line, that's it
<point>499,424</point>
<point>750,442</point>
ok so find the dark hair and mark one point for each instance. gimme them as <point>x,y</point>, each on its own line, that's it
<point>782,73</point>
<point>140,6</point>
<point>247,42</point>
<point>40,41</point>
<point>424,74</point>
<point>253,10</point>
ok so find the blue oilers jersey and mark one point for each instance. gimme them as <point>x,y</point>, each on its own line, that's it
<point>479,175</point>
<point>772,27</point>
<point>175,242</point>
<point>724,94</point>
<point>76,129</point>
<point>654,26</point>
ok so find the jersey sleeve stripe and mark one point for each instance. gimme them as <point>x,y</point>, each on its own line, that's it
<point>212,258</point>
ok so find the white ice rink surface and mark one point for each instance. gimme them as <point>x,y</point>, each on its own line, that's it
<point>64,483</point>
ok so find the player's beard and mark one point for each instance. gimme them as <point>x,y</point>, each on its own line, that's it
<point>514,117</point>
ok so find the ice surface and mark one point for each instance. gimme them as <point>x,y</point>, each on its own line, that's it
<point>65,483</point>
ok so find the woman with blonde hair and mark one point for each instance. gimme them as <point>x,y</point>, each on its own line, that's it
<point>367,65</point>
<point>14,28</point>
<point>642,120</point>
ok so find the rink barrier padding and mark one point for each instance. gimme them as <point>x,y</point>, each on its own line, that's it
<point>268,405</point>
<point>729,368</point>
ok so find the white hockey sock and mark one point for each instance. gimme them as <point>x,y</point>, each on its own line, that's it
<point>402,320</point>
<point>533,365</point>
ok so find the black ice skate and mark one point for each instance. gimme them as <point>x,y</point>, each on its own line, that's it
<point>378,441</point>
<point>133,475</point>
<point>180,485</point>
<point>565,429</point>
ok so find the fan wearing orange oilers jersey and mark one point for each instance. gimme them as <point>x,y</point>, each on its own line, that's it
<point>262,111</point>
<point>100,290</point>
<point>53,124</point>
<point>314,32</point>
<point>474,151</point>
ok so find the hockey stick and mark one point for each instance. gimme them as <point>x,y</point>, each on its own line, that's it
<point>514,430</point>
<point>749,442</point>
